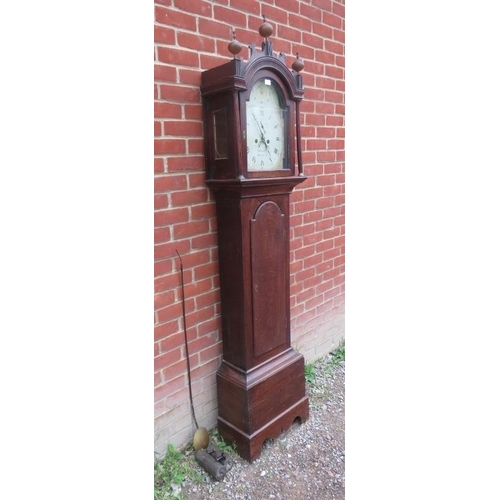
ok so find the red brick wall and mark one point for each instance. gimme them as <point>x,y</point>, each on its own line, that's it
<point>191,36</point>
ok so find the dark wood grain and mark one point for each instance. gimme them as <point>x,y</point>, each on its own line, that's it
<point>260,383</point>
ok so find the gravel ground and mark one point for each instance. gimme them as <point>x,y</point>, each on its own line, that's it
<point>307,461</point>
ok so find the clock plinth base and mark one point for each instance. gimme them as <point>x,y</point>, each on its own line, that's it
<point>261,403</point>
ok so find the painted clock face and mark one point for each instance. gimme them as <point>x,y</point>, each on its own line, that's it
<point>266,141</point>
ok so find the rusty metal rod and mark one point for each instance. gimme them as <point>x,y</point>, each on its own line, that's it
<point>186,341</point>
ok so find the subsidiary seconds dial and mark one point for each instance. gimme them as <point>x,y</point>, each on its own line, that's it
<point>266,141</point>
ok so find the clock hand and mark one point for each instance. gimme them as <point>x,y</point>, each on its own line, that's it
<point>265,144</point>
<point>262,136</point>
<point>262,125</point>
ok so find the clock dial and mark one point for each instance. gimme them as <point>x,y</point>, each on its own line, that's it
<point>265,127</point>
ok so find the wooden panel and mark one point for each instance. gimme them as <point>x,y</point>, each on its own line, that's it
<point>269,267</point>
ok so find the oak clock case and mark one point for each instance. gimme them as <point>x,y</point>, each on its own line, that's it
<point>251,120</point>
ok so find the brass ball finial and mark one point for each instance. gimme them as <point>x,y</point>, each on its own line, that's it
<point>265,29</point>
<point>298,64</point>
<point>234,46</point>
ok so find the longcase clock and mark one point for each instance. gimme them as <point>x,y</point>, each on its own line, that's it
<point>252,142</point>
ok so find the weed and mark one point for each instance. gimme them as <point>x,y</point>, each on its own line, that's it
<point>339,354</point>
<point>220,443</point>
<point>173,469</point>
<point>309,372</point>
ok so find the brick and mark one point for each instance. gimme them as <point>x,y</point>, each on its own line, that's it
<point>332,212</point>
<point>325,156</point>
<point>313,193</point>
<point>336,144</point>
<point>299,22</point>
<point>165,251</point>
<point>340,85</point>
<point>231,17</point>
<point>308,81</point>
<point>157,128</point>
<point>303,207</point>
<point>204,241</point>
<point>328,84</point>
<point>164,73</point>
<point>170,312</point>
<point>177,182</point>
<point>201,315</point>
<point>325,57</point>
<point>163,299</point>
<point>216,29</point>
<point>190,77</point>
<point>315,94</point>
<point>180,93</point>
<point>200,7</point>
<point>187,128</point>
<point>207,62</point>
<point>195,146</point>
<point>162,268</point>
<point>339,36</point>
<point>315,144</point>
<point>322,30</point>
<point>325,132</point>
<point>338,8</point>
<point>207,299</point>
<point>201,370</point>
<point>159,165</point>
<point>335,121</point>
<point>165,217</point>
<point>197,180</point>
<point>324,107</point>
<point>171,17</point>
<point>329,180</point>
<point>185,163</point>
<point>179,57</point>
<point>313,41</point>
<point>331,20</point>
<point>323,203</point>
<point>190,197</point>
<point>246,6</point>
<point>211,353</point>
<point>170,359</point>
<point>158,379</point>
<point>323,4</point>
<point>310,12</point>
<point>313,238</point>
<point>210,326</point>
<point>188,229</point>
<point>167,110</point>
<point>161,202</point>
<point>290,34</point>
<point>333,96</point>
<point>334,72</point>
<point>284,46</point>
<point>195,42</point>
<point>164,35</point>
<point>339,241</point>
<point>171,370</point>
<point>169,146</point>
<point>193,112</point>
<point>199,287</point>
<point>334,47</point>
<point>316,119</point>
